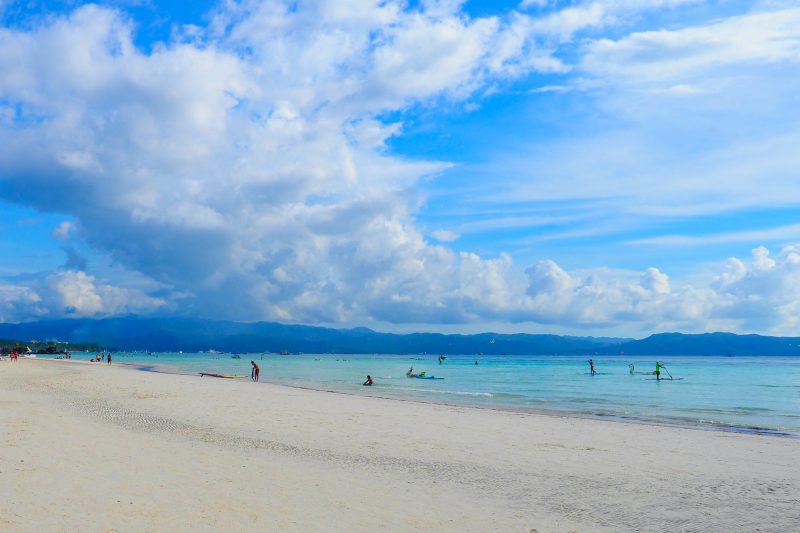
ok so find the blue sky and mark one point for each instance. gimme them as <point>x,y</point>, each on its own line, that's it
<point>599,167</point>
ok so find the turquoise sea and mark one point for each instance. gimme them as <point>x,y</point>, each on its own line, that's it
<point>753,394</point>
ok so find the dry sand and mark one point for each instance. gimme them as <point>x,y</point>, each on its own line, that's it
<point>87,447</point>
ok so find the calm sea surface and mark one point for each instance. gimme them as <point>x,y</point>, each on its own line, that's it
<point>733,393</point>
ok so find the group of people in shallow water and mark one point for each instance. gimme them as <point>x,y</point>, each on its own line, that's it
<point>657,372</point>
<point>101,357</point>
<point>409,374</point>
<point>256,370</point>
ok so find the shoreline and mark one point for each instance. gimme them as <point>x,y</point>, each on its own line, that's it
<point>172,452</point>
<point>688,424</point>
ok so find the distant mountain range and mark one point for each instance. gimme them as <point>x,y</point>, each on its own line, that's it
<point>172,334</point>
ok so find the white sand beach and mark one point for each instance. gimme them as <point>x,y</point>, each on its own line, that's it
<point>88,447</point>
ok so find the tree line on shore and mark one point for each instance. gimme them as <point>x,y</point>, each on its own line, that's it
<point>8,346</point>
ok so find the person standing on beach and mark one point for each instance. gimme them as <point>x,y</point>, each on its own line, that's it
<point>255,371</point>
<point>109,358</point>
<point>591,367</point>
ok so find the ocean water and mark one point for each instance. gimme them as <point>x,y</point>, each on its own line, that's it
<point>758,394</point>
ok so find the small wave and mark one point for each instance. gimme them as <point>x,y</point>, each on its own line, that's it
<point>511,395</point>
<point>455,392</point>
<point>727,410</point>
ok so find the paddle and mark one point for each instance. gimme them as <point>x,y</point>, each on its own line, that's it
<point>667,371</point>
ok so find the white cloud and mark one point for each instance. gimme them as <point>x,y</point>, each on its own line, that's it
<point>245,168</point>
<point>790,232</point>
<point>76,293</point>
<point>443,235</point>
<point>563,24</point>
<point>63,231</point>
<point>19,302</point>
<point>659,56</point>
<point>70,293</point>
<point>527,4</point>
<point>761,294</point>
<point>690,121</point>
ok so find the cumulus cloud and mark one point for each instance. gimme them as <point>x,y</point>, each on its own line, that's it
<point>70,293</point>
<point>245,167</point>
<point>76,293</point>
<point>759,294</point>
<point>763,293</point>
<point>19,302</point>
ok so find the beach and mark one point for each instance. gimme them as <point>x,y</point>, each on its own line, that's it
<point>92,447</point>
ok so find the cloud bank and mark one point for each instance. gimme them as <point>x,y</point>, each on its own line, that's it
<point>243,168</point>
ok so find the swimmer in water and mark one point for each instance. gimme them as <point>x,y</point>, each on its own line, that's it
<point>369,381</point>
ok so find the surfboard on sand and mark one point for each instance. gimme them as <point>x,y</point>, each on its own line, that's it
<point>212,375</point>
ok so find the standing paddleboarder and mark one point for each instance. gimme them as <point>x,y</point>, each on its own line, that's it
<point>659,366</point>
<point>591,367</point>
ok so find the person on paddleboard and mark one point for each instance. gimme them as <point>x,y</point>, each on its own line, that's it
<point>657,373</point>
<point>591,367</point>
